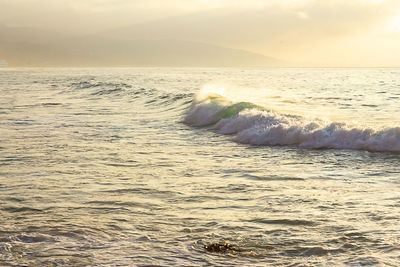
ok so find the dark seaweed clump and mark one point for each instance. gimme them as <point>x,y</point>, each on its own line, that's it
<point>222,247</point>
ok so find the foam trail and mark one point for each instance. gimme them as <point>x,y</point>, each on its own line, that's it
<point>251,124</point>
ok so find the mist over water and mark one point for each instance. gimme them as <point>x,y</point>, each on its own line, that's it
<point>148,166</point>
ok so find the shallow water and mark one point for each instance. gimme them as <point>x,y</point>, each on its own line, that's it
<point>97,167</point>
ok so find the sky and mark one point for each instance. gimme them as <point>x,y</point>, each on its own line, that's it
<point>305,32</point>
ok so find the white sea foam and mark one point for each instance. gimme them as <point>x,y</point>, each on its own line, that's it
<point>251,124</point>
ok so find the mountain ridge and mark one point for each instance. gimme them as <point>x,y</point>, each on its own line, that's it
<point>36,48</point>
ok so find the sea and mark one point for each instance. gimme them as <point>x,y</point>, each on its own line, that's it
<point>199,167</point>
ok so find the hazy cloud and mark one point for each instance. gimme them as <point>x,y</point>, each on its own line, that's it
<point>330,32</point>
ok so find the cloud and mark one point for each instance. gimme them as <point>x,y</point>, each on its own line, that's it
<point>297,30</point>
<point>99,14</point>
<point>288,29</point>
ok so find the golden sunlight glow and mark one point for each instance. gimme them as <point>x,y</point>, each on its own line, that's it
<point>212,89</point>
<point>373,1</point>
<point>217,33</point>
<point>394,25</point>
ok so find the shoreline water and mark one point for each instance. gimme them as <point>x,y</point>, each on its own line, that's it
<point>97,168</point>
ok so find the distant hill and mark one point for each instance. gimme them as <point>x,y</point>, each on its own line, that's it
<point>30,47</point>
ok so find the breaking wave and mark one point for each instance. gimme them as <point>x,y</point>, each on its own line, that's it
<point>252,124</point>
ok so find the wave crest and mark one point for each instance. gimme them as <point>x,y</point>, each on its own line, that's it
<point>255,125</point>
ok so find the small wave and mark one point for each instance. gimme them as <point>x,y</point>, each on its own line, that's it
<point>33,238</point>
<point>284,222</point>
<point>99,88</point>
<point>252,124</point>
<point>108,91</point>
<point>312,251</point>
<point>21,209</point>
<point>92,84</point>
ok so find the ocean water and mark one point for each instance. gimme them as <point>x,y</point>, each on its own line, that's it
<point>135,167</point>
